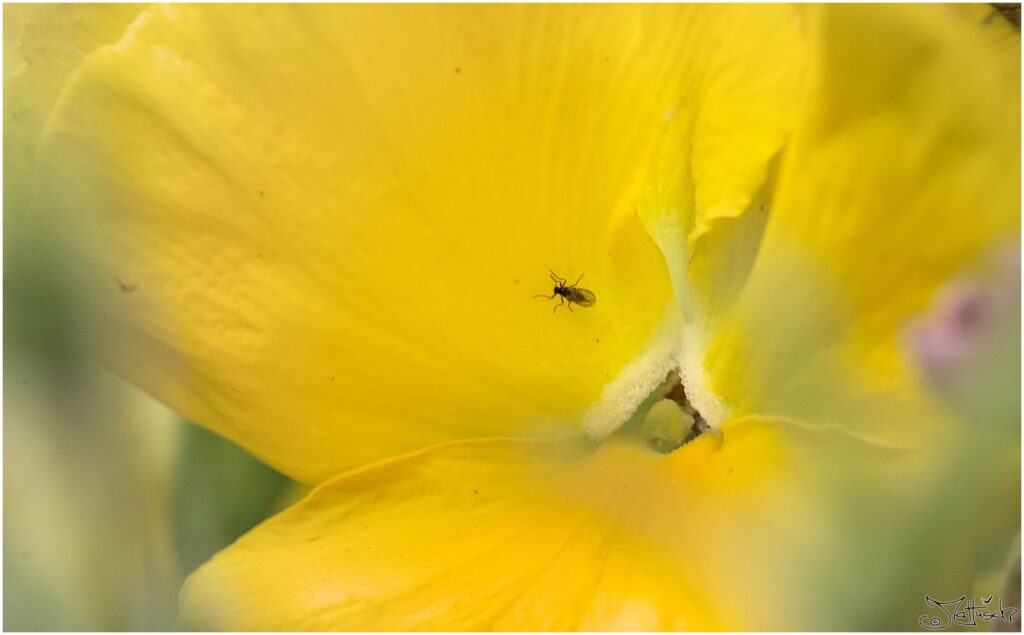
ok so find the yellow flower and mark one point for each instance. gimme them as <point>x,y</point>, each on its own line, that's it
<point>321,228</point>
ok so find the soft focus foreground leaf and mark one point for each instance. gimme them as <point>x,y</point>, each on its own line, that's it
<point>87,459</point>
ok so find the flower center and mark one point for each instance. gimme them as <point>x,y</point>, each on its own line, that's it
<point>672,421</point>
<point>670,368</point>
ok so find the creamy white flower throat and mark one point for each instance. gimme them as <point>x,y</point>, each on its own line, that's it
<point>669,369</point>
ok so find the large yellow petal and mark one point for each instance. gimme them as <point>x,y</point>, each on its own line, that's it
<point>903,172</point>
<point>747,531</point>
<point>322,227</point>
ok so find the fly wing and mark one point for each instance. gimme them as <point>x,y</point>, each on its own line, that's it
<point>583,297</point>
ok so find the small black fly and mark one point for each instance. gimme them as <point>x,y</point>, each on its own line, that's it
<point>571,292</point>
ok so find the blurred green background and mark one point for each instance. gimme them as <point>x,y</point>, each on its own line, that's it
<point>110,499</point>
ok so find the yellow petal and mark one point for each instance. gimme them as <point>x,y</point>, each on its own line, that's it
<point>745,531</point>
<point>48,45</point>
<point>904,171</point>
<point>322,228</point>
<point>717,147</point>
